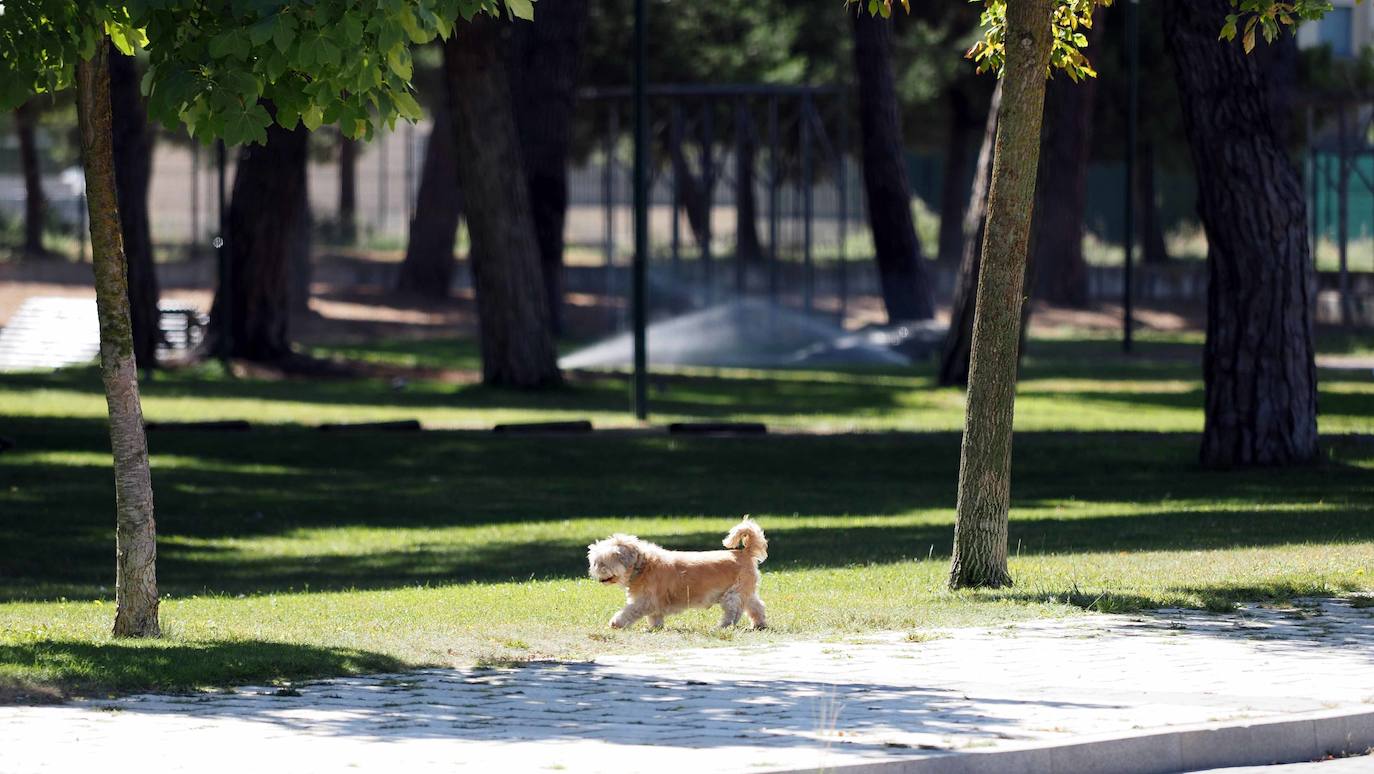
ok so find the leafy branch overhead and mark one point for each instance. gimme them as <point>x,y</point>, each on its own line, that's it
<point>214,63</point>
<point>1073,17</point>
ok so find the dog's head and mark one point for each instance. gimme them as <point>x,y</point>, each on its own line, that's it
<point>614,559</point>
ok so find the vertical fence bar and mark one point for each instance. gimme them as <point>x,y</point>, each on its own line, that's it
<point>1343,215</point>
<point>675,140</point>
<point>1132,100</point>
<point>410,172</point>
<point>774,180</point>
<point>809,281</point>
<point>608,196</point>
<point>708,179</point>
<point>841,181</point>
<point>742,177</point>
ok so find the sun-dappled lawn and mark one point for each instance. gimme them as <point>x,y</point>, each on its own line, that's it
<point>286,553</point>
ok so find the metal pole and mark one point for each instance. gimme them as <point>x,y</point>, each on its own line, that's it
<point>1132,118</point>
<point>641,176</point>
<point>226,270</point>
<point>381,183</point>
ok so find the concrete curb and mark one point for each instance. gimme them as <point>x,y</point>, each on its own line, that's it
<point>1290,739</point>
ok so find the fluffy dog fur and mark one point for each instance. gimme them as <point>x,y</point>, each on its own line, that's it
<point>659,582</point>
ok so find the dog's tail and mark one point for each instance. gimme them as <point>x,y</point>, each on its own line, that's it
<point>748,537</point>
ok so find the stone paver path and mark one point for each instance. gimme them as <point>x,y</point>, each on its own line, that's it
<point>759,708</point>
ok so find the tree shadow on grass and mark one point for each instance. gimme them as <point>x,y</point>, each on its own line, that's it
<point>33,670</point>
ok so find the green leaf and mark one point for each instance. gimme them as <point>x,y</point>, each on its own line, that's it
<point>398,59</point>
<point>284,33</point>
<point>407,106</point>
<point>313,117</point>
<point>262,32</point>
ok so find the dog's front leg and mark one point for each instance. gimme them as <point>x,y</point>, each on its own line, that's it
<point>633,611</point>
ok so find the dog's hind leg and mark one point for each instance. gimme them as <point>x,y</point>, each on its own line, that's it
<point>730,608</point>
<point>754,609</point>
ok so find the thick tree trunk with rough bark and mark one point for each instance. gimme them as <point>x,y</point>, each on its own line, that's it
<point>35,204</point>
<point>1258,362</point>
<point>348,190</point>
<point>954,355</point>
<point>692,192</point>
<point>543,59</point>
<point>980,527</point>
<point>512,308</point>
<point>428,267</point>
<point>1057,267</point>
<point>901,269</point>
<point>954,188</point>
<point>133,158</point>
<point>265,214</point>
<point>136,598</point>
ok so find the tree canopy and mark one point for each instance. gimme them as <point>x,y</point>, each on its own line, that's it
<point>213,63</point>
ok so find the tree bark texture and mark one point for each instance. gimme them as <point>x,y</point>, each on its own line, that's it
<point>902,273</point>
<point>954,188</point>
<point>265,213</point>
<point>543,59</point>
<point>428,267</point>
<point>954,355</point>
<point>133,159</point>
<point>35,203</point>
<point>1258,362</point>
<point>136,598</point>
<point>348,190</point>
<point>1056,261</point>
<point>980,528</point>
<point>512,307</point>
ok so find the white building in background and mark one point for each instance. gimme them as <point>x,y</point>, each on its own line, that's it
<point>1348,28</point>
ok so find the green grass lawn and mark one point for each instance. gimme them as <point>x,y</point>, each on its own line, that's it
<point>287,553</point>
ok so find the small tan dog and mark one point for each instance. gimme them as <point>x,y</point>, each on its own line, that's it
<point>659,582</point>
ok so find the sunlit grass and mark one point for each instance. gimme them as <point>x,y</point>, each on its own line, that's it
<point>287,553</point>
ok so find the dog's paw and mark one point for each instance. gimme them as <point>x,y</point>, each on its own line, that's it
<point>616,624</point>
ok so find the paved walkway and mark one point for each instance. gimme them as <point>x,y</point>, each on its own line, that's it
<point>762,708</point>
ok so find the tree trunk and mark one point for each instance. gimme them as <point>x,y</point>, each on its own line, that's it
<point>35,204</point>
<point>512,308</point>
<point>954,189</point>
<point>901,269</point>
<point>133,159</point>
<point>1153,249</point>
<point>980,527</point>
<point>135,530</point>
<point>264,218</point>
<point>747,246</point>
<point>302,261</point>
<point>428,266</point>
<point>691,192</point>
<point>1258,361</point>
<point>348,190</point>
<point>543,59</point>
<point>954,355</point>
<point>1056,260</point>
